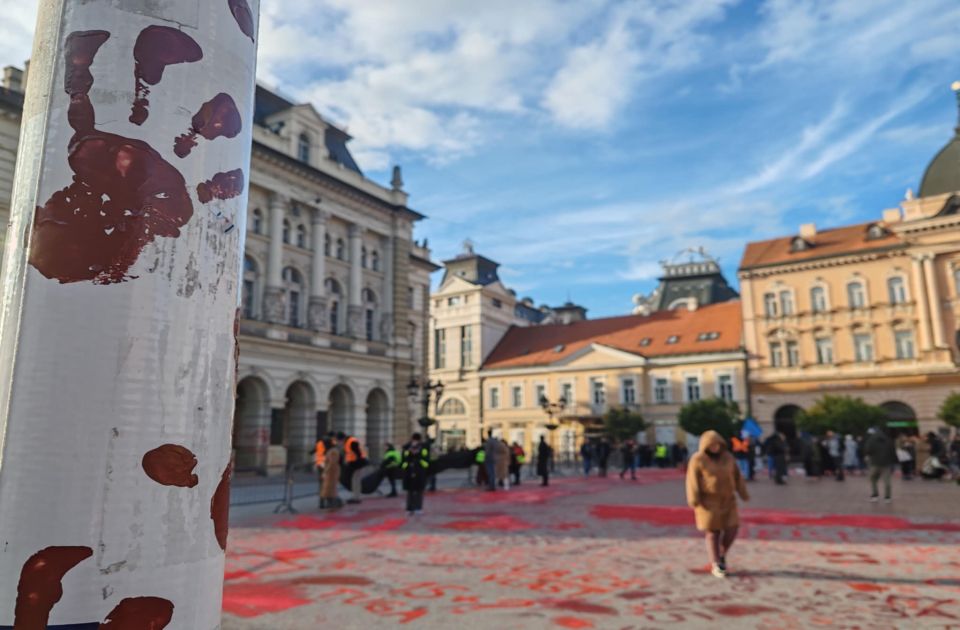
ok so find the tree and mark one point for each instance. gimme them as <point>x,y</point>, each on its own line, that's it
<point>950,410</point>
<point>842,414</point>
<point>714,414</point>
<point>622,424</point>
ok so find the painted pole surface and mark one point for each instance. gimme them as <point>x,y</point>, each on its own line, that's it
<point>118,314</point>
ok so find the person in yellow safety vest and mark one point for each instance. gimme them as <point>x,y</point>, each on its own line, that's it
<point>741,451</point>
<point>392,462</point>
<point>517,459</point>
<point>660,454</point>
<point>416,471</point>
<point>480,459</point>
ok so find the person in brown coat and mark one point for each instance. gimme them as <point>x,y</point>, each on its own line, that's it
<point>331,475</point>
<point>502,464</point>
<point>713,481</point>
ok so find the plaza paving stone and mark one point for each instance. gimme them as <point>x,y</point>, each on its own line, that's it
<point>603,553</point>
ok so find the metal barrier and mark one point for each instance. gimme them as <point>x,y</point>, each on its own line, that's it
<point>298,482</point>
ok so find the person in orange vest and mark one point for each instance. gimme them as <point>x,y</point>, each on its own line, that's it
<point>319,458</point>
<point>741,451</point>
<point>354,460</point>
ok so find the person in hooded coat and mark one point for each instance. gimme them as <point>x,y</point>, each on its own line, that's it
<point>713,481</point>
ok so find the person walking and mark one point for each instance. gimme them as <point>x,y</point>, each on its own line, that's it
<point>603,456</point>
<point>490,460</point>
<point>881,457</point>
<point>331,474</point>
<point>517,459</point>
<point>586,455</point>
<point>629,454</point>
<point>834,446</point>
<point>319,460</point>
<point>544,455</point>
<point>713,481</point>
<point>502,464</point>
<point>850,462</point>
<point>392,460</point>
<point>354,461</point>
<point>416,469</point>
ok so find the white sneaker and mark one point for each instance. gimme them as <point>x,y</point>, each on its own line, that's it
<point>716,571</point>
<point>874,499</point>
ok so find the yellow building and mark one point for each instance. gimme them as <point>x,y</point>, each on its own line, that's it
<point>651,363</point>
<point>868,310</point>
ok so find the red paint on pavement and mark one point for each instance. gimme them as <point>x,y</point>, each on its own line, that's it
<point>742,610</point>
<point>580,606</point>
<point>497,523</point>
<point>572,622</point>
<point>386,526</point>
<point>866,588</point>
<point>334,580</point>
<point>253,600</point>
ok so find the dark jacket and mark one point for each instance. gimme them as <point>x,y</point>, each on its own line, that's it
<point>879,450</point>
<point>544,453</point>
<point>415,466</point>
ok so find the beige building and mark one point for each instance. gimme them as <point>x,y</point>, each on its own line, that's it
<point>868,310</point>
<point>470,312</point>
<point>653,363</point>
<point>335,288</point>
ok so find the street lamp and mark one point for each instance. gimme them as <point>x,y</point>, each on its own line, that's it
<point>421,391</point>
<point>552,408</point>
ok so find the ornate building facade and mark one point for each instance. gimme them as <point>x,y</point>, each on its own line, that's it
<point>868,310</point>
<point>335,288</point>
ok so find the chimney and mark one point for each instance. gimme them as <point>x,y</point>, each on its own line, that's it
<point>13,79</point>
<point>892,215</point>
<point>808,231</point>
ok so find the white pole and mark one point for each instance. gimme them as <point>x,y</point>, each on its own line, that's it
<point>117,338</point>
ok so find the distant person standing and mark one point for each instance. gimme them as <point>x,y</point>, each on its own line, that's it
<point>502,464</point>
<point>834,445</point>
<point>741,451</point>
<point>586,455</point>
<point>713,481</point>
<point>603,456</point>
<point>392,460</point>
<point>331,474</point>
<point>416,470</point>
<point>629,454</point>
<point>544,455</point>
<point>517,459</point>
<point>319,460</point>
<point>881,458</point>
<point>850,462</point>
<point>777,451</point>
<point>490,460</point>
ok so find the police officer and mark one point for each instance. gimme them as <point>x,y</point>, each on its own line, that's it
<point>391,467</point>
<point>416,470</point>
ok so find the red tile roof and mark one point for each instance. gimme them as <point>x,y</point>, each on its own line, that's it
<point>544,345</point>
<point>849,239</point>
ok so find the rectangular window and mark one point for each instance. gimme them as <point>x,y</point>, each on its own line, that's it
<point>824,351</point>
<point>793,354</point>
<point>453,301</point>
<point>294,297</point>
<point>904,342</point>
<point>497,303</point>
<point>692,388</point>
<point>770,304</point>
<point>856,295</point>
<point>495,398</point>
<point>598,392</point>
<point>541,391</point>
<point>410,297</point>
<point>786,302</point>
<point>566,392</point>
<point>661,391</point>
<point>818,300</point>
<point>369,323</point>
<point>776,354</point>
<point>897,290</point>
<point>725,386</point>
<point>628,391</point>
<point>440,348</point>
<point>248,299</point>
<point>517,396</point>
<point>466,346</point>
<point>863,348</point>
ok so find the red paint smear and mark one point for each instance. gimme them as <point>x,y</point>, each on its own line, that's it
<point>286,555</point>
<point>387,526</point>
<point>40,585</point>
<point>221,186</point>
<point>498,523</point>
<point>140,613</point>
<point>312,522</point>
<point>217,118</point>
<point>123,195</point>
<point>337,580</point>
<point>580,606</point>
<point>866,588</point>
<point>243,15</point>
<point>238,575</point>
<point>572,622</point>
<point>220,508</point>
<point>738,610</point>
<point>634,595</point>
<point>171,465</point>
<point>253,600</point>
<point>158,47</point>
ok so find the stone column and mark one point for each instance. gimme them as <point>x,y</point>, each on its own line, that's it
<point>936,308</point>
<point>920,297</point>
<point>355,308</point>
<point>386,317</point>
<point>317,309</point>
<point>273,307</point>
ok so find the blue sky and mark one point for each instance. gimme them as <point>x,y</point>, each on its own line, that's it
<point>580,142</point>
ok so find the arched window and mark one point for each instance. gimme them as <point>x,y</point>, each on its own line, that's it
<point>326,245</point>
<point>250,281</point>
<point>293,283</point>
<point>375,260</point>
<point>896,290</point>
<point>340,249</point>
<point>286,231</point>
<point>370,313</point>
<point>335,295</point>
<point>856,295</point>
<point>818,299</point>
<point>303,148</point>
<point>301,236</point>
<point>452,407</point>
<point>256,224</point>
<point>363,257</point>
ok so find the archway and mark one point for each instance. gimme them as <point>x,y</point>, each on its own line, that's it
<point>785,421</point>
<point>378,423</point>
<point>251,424</point>
<point>299,424</point>
<point>340,408</point>
<point>900,416</point>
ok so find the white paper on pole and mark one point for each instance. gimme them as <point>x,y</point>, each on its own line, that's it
<point>96,373</point>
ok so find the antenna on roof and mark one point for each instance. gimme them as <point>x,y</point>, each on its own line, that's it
<point>468,247</point>
<point>955,86</point>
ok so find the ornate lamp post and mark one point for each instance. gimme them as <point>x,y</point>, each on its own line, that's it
<point>552,409</point>
<point>421,391</point>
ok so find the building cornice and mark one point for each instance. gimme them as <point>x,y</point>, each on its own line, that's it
<point>809,264</point>
<point>649,363</point>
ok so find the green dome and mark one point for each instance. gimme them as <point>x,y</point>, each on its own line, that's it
<point>943,174</point>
